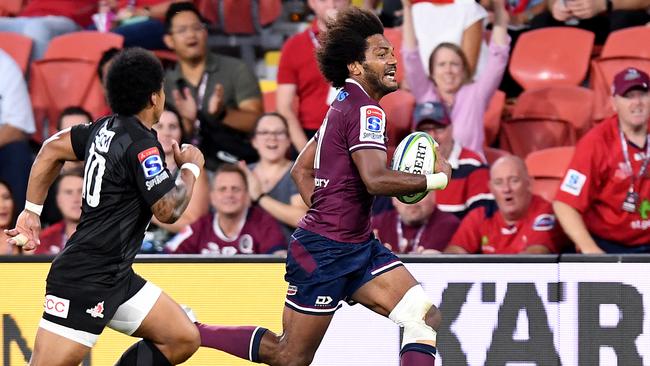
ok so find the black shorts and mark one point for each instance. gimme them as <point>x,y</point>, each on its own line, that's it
<point>81,312</point>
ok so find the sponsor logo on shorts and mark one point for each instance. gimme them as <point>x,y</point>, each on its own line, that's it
<point>156,180</point>
<point>97,311</point>
<point>292,290</point>
<point>573,182</point>
<point>323,300</point>
<point>56,306</point>
<point>372,126</point>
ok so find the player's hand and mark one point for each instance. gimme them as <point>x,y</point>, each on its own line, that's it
<point>560,12</point>
<point>442,165</point>
<point>185,104</point>
<point>254,185</point>
<point>27,231</point>
<point>187,153</point>
<point>215,104</point>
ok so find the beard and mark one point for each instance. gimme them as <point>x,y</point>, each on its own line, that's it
<point>374,80</point>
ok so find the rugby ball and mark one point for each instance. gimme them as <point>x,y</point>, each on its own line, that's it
<point>415,154</point>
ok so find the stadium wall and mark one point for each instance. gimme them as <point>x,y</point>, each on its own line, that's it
<point>507,311</point>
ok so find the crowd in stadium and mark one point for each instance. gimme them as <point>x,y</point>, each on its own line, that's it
<point>540,106</point>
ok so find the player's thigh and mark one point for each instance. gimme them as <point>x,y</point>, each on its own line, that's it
<point>54,350</point>
<point>167,324</point>
<point>300,338</point>
<point>383,292</point>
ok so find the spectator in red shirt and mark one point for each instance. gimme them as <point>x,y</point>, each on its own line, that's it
<point>42,20</point>
<point>419,228</point>
<point>236,227</point>
<point>603,203</point>
<point>518,222</point>
<point>299,76</point>
<point>68,200</point>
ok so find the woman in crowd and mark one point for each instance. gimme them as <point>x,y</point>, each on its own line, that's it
<point>450,80</point>
<point>269,180</point>
<point>7,218</point>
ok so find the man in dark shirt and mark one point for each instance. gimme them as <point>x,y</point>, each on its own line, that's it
<point>91,284</point>
<point>333,256</point>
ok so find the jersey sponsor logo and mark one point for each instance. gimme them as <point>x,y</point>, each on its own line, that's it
<point>323,300</point>
<point>97,311</point>
<point>292,290</point>
<point>151,162</point>
<point>342,95</point>
<point>156,180</point>
<point>372,124</point>
<point>246,244</point>
<point>544,222</point>
<point>573,182</point>
<point>56,306</point>
<point>321,182</point>
<point>103,139</point>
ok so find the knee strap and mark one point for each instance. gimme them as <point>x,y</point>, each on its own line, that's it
<point>410,312</point>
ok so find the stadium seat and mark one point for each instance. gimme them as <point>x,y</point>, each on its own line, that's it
<point>394,36</point>
<point>11,7</point>
<point>551,56</point>
<point>56,84</point>
<point>399,107</point>
<point>84,45</point>
<point>492,117</point>
<point>492,154</point>
<point>269,101</point>
<point>547,117</point>
<point>547,168</point>
<point>622,49</point>
<point>18,47</point>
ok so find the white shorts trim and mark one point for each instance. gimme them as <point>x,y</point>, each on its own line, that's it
<point>79,336</point>
<point>130,314</point>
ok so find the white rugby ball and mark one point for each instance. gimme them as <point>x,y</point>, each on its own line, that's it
<point>415,154</point>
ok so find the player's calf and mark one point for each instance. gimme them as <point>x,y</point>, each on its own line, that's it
<point>417,315</point>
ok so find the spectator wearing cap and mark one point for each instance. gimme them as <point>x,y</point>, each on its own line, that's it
<point>468,187</point>
<point>603,203</point>
<point>517,222</point>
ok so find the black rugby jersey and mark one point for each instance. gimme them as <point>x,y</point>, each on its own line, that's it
<point>124,175</point>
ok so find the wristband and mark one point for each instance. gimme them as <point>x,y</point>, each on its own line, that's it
<point>33,208</point>
<point>436,181</point>
<point>196,171</point>
<point>257,201</point>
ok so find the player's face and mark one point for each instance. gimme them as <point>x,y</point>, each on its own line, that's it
<point>511,188</point>
<point>187,36</point>
<point>271,139</point>
<point>73,120</point>
<point>68,197</point>
<point>229,195</point>
<point>380,65</point>
<point>168,129</point>
<point>417,213</point>
<point>633,108</point>
<point>6,207</point>
<point>448,72</point>
<point>443,134</point>
<point>326,10</point>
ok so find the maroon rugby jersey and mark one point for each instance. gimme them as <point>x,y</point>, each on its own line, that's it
<point>340,208</point>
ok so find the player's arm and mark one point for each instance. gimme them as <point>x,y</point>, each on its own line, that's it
<point>302,171</point>
<point>574,226</point>
<point>171,206</point>
<point>380,180</point>
<point>47,166</point>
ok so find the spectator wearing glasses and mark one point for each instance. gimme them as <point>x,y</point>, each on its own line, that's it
<point>218,97</point>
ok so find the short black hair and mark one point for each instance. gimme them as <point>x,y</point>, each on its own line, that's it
<point>176,8</point>
<point>345,41</point>
<point>133,76</point>
<point>73,111</point>
<point>106,57</point>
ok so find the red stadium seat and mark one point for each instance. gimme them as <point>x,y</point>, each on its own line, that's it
<point>11,7</point>
<point>547,117</point>
<point>622,49</point>
<point>492,154</point>
<point>547,168</point>
<point>18,47</point>
<point>492,117</point>
<point>269,10</point>
<point>399,107</point>
<point>551,56</point>
<point>269,101</point>
<point>85,45</point>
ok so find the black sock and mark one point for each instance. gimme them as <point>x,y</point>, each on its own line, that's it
<point>143,353</point>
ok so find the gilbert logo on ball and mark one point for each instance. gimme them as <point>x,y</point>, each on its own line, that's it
<point>415,154</point>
